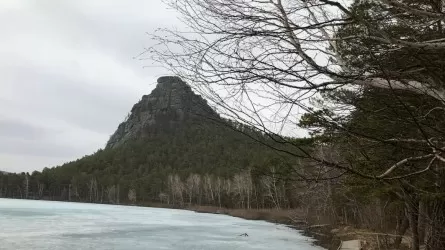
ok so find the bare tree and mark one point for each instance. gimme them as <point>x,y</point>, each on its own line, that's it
<point>164,198</point>
<point>219,189</point>
<point>118,194</point>
<point>208,188</point>
<point>176,188</point>
<point>132,195</point>
<point>272,188</point>
<point>40,188</point>
<point>93,190</point>
<point>263,63</point>
<point>26,186</point>
<point>192,185</point>
<point>111,194</point>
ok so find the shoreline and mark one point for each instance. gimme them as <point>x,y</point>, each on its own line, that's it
<point>321,234</point>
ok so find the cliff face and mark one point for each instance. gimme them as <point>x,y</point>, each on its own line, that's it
<point>170,106</point>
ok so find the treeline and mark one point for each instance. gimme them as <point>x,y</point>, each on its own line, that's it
<point>243,190</point>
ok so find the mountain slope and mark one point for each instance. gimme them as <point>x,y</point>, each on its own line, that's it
<point>172,148</point>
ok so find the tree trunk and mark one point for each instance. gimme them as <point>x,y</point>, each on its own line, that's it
<point>436,232</point>
<point>69,192</point>
<point>436,239</point>
<point>401,231</point>
<point>422,217</point>
<point>118,194</point>
<point>412,206</point>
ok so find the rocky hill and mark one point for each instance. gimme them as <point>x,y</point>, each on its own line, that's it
<point>170,106</point>
<point>172,148</point>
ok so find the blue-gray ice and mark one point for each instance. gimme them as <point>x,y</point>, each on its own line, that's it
<point>26,224</point>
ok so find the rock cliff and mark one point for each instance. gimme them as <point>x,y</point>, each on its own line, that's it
<point>170,106</point>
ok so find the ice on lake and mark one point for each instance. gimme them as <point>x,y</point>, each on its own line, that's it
<point>26,224</point>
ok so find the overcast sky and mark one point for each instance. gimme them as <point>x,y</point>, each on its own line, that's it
<point>68,77</point>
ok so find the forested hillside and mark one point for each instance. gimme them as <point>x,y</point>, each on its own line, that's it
<point>172,148</point>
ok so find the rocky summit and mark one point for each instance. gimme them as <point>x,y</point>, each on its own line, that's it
<point>170,106</point>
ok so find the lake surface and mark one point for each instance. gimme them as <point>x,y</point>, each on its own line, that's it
<point>26,224</point>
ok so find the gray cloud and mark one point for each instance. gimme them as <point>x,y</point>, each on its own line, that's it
<point>20,129</point>
<point>67,75</point>
<point>23,148</point>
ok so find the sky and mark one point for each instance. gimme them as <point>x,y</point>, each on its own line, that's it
<point>68,75</point>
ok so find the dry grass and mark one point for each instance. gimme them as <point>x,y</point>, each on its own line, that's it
<point>294,217</point>
<point>282,216</point>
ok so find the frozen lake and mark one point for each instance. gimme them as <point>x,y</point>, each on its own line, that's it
<point>26,224</point>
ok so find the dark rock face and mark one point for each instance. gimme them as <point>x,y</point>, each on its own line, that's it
<point>170,106</point>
